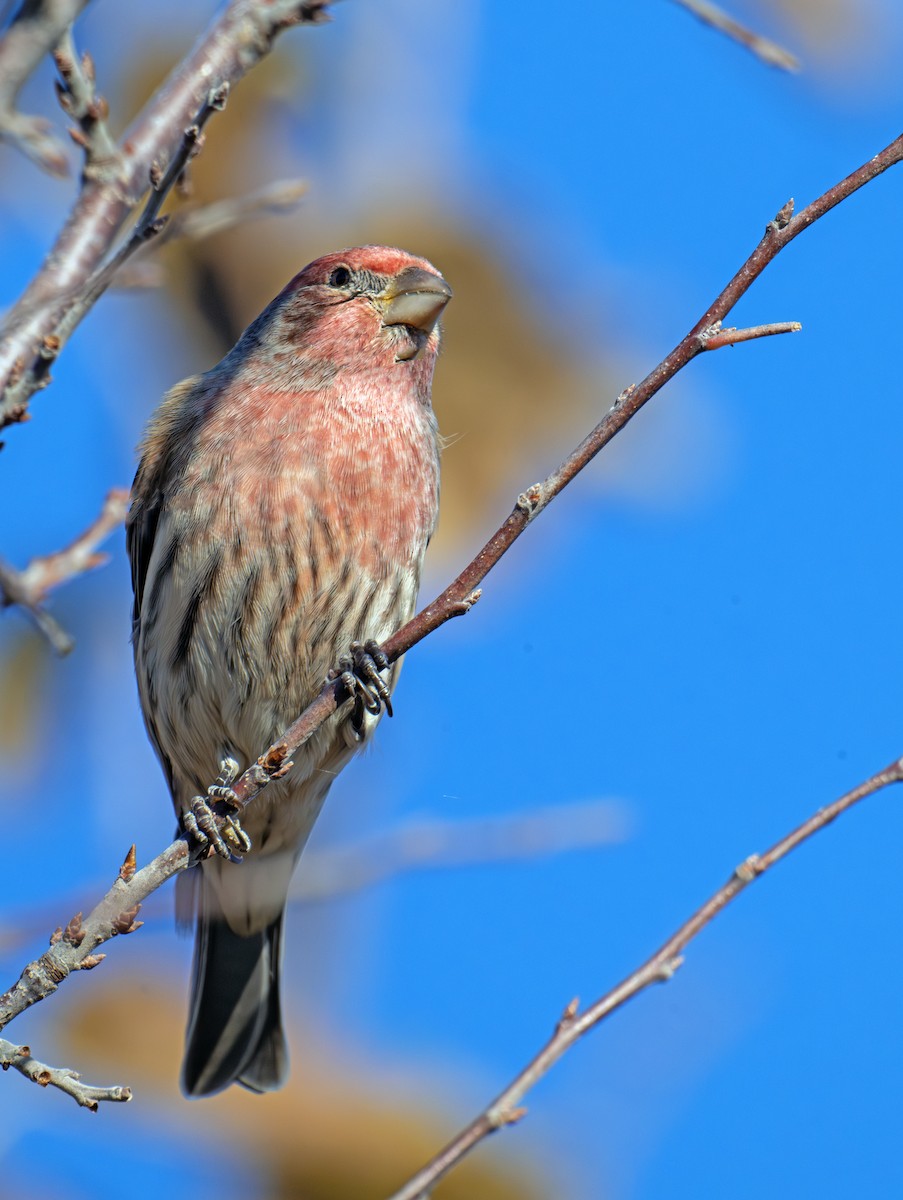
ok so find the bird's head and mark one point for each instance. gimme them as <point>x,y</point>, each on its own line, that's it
<point>367,308</point>
<point>388,297</point>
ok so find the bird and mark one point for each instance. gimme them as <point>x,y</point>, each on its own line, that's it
<point>280,513</point>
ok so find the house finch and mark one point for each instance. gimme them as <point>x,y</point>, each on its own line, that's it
<point>280,513</point>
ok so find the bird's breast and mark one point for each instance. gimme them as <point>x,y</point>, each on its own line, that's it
<point>290,544</point>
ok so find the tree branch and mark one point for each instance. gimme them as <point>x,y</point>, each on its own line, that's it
<point>507,1108</point>
<point>197,222</point>
<point>769,52</point>
<point>207,220</point>
<point>35,29</point>
<point>28,588</point>
<point>148,225</point>
<point>52,305</point>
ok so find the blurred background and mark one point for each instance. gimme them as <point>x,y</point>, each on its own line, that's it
<point>695,647</point>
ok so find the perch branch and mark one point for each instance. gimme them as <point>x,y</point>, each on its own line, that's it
<point>507,1107</point>
<point>28,588</point>
<point>460,595</point>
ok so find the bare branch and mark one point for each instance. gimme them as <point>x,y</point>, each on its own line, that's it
<point>28,588</point>
<point>207,220</point>
<point>54,302</point>
<point>13,594</point>
<point>35,30</point>
<point>507,1107</point>
<point>84,1094</point>
<point>432,844</point>
<point>150,223</point>
<point>769,52</point>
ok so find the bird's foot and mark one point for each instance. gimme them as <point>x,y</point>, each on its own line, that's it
<point>359,672</point>
<point>202,826</point>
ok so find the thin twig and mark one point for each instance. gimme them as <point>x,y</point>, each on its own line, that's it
<point>36,28</point>
<point>719,337</point>
<point>13,594</point>
<point>74,948</point>
<point>150,223</point>
<point>31,335</point>
<point>507,1107</point>
<point>147,227</point>
<point>85,1094</point>
<point>79,99</point>
<point>430,845</point>
<point>769,52</point>
<point>28,588</point>
<point>207,220</point>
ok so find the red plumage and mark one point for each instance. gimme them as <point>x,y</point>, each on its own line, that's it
<point>281,509</point>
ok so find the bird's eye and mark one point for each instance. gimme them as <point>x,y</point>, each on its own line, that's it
<point>340,277</point>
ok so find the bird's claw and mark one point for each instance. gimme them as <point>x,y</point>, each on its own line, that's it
<point>359,672</point>
<point>202,825</point>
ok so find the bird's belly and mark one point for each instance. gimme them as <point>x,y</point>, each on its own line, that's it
<point>257,634</point>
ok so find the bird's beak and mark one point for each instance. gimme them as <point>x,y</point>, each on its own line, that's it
<point>414,297</point>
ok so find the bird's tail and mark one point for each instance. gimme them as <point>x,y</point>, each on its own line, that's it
<point>235,1023</point>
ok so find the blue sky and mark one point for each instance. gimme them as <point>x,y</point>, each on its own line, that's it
<point>705,629</point>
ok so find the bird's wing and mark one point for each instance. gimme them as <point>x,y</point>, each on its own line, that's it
<point>165,438</point>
